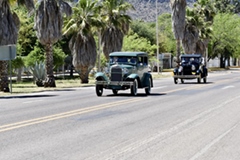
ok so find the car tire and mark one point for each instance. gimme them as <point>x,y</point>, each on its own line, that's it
<point>199,80</point>
<point>205,79</point>
<point>134,87</point>
<point>148,89</point>
<point>115,92</point>
<point>99,90</point>
<point>175,80</point>
<point>182,81</point>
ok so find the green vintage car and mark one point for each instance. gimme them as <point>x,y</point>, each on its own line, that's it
<point>126,70</point>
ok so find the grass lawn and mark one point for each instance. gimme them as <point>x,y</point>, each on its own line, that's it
<point>28,86</point>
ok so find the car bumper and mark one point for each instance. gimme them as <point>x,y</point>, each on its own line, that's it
<point>187,76</point>
<point>115,83</point>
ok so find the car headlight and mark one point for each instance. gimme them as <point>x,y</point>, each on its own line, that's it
<point>193,68</point>
<point>180,69</point>
<point>125,70</point>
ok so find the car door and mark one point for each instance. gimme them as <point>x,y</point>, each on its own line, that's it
<point>141,67</point>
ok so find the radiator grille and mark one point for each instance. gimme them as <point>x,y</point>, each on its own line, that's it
<point>187,70</point>
<point>116,74</point>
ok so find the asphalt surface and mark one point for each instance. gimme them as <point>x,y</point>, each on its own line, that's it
<point>187,121</point>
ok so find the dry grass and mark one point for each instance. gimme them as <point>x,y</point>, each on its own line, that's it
<point>30,87</point>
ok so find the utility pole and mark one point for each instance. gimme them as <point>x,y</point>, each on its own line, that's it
<point>157,36</point>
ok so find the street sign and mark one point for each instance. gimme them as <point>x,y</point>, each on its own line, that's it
<point>8,52</point>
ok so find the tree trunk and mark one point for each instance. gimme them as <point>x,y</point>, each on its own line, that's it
<point>50,80</point>
<point>84,74</point>
<point>19,75</point>
<point>178,51</point>
<point>4,76</point>
<point>71,70</point>
<point>228,60</point>
<point>222,62</point>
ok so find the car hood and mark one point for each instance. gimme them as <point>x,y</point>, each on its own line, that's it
<point>129,68</point>
<point>123,66</point>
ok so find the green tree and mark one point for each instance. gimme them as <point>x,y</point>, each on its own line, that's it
<point>147,30</point>
<point>81,27</point>
<point>144,29</point>
<point>37,55</point>
<point>26,35</point>
<point>48,26</point>
<point>9,26</point>
<point>227,6</point>
<point>167,41</point>
<point>117,24</point>
<point>225,39</point>
<point>133,42</point>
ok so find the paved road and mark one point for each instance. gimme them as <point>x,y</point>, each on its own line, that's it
<point>187,121</point>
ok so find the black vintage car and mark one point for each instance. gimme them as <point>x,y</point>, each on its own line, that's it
<point>191,67</point>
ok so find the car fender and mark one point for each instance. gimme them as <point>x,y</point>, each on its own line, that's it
<point>145,80</point>
<point>205,70</point>
<point>100,76</point>
<point>133,76</point>
<point>175,71</point>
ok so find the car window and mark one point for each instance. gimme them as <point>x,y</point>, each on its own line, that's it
<point>132,60</point>
<point>145,61</point>
<point>123,60</point>
<point>185,59</point>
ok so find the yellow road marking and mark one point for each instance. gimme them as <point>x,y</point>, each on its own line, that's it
<point>64,115</point>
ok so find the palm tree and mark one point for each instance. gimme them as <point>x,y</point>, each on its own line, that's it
<point>191,31</point>
<point>9,26</point>
<point>81,27</point>
<point>117,25</point>
<point>48,25</point>
<point>178,21</point>
<point>198,27</point>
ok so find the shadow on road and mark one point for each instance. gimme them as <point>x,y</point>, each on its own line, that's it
<point>196,83</point>
<point>138,95</point>
<point>27,96</point>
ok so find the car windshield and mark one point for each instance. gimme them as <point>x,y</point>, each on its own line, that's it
<point>190,59</point>
<point>123,60</point>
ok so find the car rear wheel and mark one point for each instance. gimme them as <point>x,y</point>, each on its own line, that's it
<point>148,89</point>
<point>134,87</point>
<point>205,79</point>
<point>99,90</point>
<point>199,80</point>
<point>114,91</point>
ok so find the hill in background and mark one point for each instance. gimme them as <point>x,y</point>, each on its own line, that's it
<point>146,9</point>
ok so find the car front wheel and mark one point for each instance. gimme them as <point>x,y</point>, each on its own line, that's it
<point>148,89</point>
<point>175,80</point>
<point>99,90</point>
<point>115,91</point>
<point>182,81</point>
<point>134,87</point>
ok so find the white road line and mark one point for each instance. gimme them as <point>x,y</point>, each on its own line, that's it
<point>227,87</point>
<point>32,101</point>
<point>159,87</point>
<point>207,147</point>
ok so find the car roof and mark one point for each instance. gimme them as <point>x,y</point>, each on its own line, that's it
<point>128,53</point>
<point>191,55</point>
